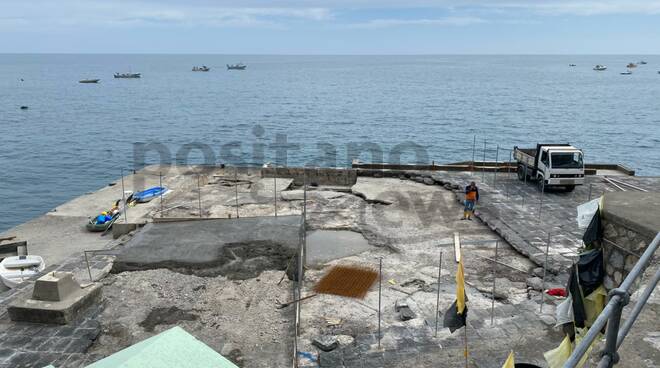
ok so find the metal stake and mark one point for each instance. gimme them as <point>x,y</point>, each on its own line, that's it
<point>541,199</point>
<point>497,166</point>
<point>508,173</point>
<point>380,282</point>
<point>160,184</point>
<point>89,270</point>
<point>199,197</point>
<point>492,305</point>
<point>236,187</point>
<point>275,190</point>
<point>590,186</point>
<point>545,266</point>
<point>437,299</point>
<point>474,146</point>
<point>483,165</point>
<point>123,196</point>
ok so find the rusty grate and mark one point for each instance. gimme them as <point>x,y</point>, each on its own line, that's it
<point>350,281</point>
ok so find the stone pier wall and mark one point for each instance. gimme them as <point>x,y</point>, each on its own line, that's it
<point>315,176</point>
<point>630,222</point>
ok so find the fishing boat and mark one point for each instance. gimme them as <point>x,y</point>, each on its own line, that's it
<point>16,269</point>
<point>239,66</point>
<point>128,75</point>
<point>642,62</point>
<point>572,65</point>
<point>627,72</point>
<point>631,65</point>
<point>600,68</point>
<point>202,68</point>
<point>149,194</point>
<point>94,227</point>
<point>89,81</point>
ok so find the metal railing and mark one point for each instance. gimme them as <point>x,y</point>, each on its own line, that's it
<point>611,314</point>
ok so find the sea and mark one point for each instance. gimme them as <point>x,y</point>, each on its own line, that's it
<point>306,110</point>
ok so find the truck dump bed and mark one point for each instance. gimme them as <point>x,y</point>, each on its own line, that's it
<point>528,151</point>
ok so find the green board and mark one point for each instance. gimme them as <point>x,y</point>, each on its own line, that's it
<point>172,348</point>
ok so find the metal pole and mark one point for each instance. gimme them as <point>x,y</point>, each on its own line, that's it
<point>497,166</point>
<point>545,267</point>
<point>437,298</point>
<point>483,165</point>
<point>541,199</point>
<point>275,189</point>
<point>199,197</point>
<point>236,187</point>
<point>590,187</point>
<point>123,196</point>
<point>380,282</point>
<point>160,184</point>
<point>89,270</point>
<point>508,173</point>
<point>611,335</point>
<point>466,345</point>
<point>492,304</point>
<point>641,302</point>
<point>474,146</point>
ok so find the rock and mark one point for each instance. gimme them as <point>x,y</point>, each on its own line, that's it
<point>400,303</point>
<point>538,271</point>
<point>417,179</point>
<point>405,313</point>
<point>608,283</point>
<point>618,277</point>
<point>378,174</point>
<point>535,283</point>
<point>402,177</point>
<point>345,340</point>
<point>454,186</point>
<point>429,181</point>
<point>326,343</point>
<point>616,259</point>
<point>548,320</point>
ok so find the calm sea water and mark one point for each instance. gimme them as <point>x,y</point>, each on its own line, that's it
<point>75,137</point>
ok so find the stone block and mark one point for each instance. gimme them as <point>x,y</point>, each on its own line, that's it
<point>26,309</point>
<point>326,343</point>
<point>406,314</point>
<point>54,286</point>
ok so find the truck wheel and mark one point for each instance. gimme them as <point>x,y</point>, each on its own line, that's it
<point>539,183</point>
<point>521,172</point>
<point>569,188</point>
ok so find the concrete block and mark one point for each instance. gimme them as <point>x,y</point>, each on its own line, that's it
<point>54,286</point>
<point>74,303</point>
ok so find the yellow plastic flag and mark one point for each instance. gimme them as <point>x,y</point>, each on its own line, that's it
<point>510,363</point>
<point>559,355</point>
<point>460,287</point>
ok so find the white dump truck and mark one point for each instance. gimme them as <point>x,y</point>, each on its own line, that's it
<point>551,165</point>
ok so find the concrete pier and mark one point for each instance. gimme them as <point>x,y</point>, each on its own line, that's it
<point>211,257</point>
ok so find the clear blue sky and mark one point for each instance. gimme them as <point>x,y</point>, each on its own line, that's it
<point>331,27</point>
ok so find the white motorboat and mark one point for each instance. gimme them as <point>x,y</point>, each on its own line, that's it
<point>627,72</point>
<point>16,269</point>
<point>600,68</point>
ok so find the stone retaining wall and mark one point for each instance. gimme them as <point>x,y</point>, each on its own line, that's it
<point>622,248</point>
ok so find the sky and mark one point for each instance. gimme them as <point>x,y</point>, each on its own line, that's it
<point>331,26</point>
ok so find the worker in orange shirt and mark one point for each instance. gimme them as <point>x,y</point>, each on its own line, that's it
<point>471,198</point>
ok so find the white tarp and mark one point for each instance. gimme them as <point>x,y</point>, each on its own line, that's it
<point>586,211</point>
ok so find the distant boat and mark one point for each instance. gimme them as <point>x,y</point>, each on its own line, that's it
<point>127,75</point>
<point>17,269</point>
<point>239,66</point>
<point>631,65</point>
<point>642,62</point>
<point>600,68</point>
<point>202,68</point>
<point>25,107</point>
<point>572,65</point>
<point>89,81</point>
<point>627,72</point>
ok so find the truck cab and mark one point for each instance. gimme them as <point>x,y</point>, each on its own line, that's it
<point>551,165</point>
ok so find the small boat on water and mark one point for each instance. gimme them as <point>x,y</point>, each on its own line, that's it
<point>627,72</point>
<point>149,194</point>
<point>572,65</point>
<point>631,65</point>
<point>600,68</point>
<point>16,269</point>
<point>239,66</point>
<point>642,62</point>
<point>128,75</point>
<point>89,81</point>
<point>202,68</point>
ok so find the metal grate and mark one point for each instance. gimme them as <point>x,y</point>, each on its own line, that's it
<point>350,281</point>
